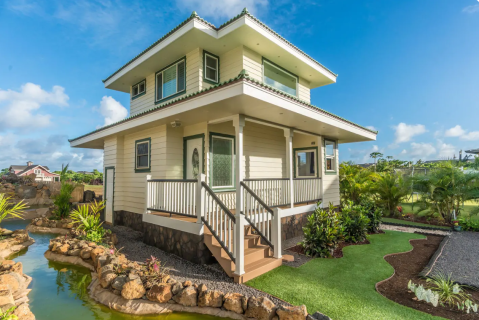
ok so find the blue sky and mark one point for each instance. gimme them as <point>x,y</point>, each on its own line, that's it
<point>409,68</point>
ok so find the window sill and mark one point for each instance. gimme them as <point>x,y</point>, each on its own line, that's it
<point>223,189</point>
<point>171,97</point>
<point>138,95</point>
<point>330,172</point>
<point>210,81</point>
<point>143,170</point>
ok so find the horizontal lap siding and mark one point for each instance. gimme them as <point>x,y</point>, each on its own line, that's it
<point>252,62</point>
<point>193,72</point>
<point>331,184</point>
<point>231,64</point>
<point>130,186</point>
<point>304,90</point>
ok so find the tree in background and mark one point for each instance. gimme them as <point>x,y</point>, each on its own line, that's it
<point>389,190</point>
<point>376,155</point>
<point>354,181</point>
<point>4,172</point>
<point>62,200</point>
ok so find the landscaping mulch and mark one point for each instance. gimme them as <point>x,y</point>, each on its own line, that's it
<point>338,252</point>
<point>407,266</point>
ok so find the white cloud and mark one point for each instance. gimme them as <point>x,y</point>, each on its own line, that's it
<point>446,151</point>
<point>404,151</point>
<point>112,110</point>
<point>471,136</point>
<point>471,9</point>
<point>222,9</point>
<point>372,128</point>
<point>405,132</point>
<point>18,108</point>
<point>456,131</point>
<point>421,150</point>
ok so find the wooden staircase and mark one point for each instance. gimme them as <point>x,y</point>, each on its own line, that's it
<point>258,258</point>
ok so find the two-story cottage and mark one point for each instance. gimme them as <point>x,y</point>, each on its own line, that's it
<point>42,173</point>
<point>222,146</point>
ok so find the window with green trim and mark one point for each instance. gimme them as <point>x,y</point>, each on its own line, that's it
<point>138,89</point>
<point>306,163</point>
<point>171,80</point>
<point>211,65</point>
<point>222,162</point>
<point>142,154</point>
<point>279,78</point>
<point>330,147</point>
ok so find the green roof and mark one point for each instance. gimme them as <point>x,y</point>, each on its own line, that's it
<point>194,15</point>
<point>243,76</point>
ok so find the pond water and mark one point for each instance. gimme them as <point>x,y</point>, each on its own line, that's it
<point>59,291</point>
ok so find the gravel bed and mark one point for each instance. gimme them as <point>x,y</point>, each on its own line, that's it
<point>299,259</point>
<point>212,276</point>
<point>460,258</point>
<point>414,230</point>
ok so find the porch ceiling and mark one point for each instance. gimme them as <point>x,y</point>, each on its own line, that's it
<point>239,98</point>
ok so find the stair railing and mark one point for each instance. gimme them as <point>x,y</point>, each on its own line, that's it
<point>219,220</point>
<point>258,214</point>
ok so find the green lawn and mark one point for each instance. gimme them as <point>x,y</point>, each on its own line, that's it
<point>344,288</point>
<point>412,223</point>
<point>469,206</point>
<point>97,189</point>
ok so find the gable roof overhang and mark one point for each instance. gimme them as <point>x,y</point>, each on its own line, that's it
<point>26,169</point>
<point>242,95</point>
<point>195,32</point>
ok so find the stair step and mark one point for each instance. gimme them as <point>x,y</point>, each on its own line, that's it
<point>257,268</point>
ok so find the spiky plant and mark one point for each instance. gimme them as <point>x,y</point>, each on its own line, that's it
<point>9,210</point>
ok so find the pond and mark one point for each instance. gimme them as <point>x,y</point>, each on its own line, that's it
<point>59,291</point>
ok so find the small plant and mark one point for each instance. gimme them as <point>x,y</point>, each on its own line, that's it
<point>467,306</point>
<point>469,224</point>
<point>62,200</point>
<point>374,214</point>
<point>7,210</point>
<point>154,272</point>
<point>355,222</point>
<point>423,294</point>
<point>120,270</point>
<point>7,314</point>
<point>322,232</point>
<point>88,216</point>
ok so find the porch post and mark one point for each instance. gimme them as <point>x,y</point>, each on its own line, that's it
<point>147,193</point>
<point>288,133</point>
<point>200,198</point>
<point>322,166</point>
<point>276,233</point>
<point>238,123</point>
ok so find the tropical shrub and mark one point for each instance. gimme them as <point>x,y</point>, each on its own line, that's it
<point>87,218</point>
<point>469,224</point>
<point>389,190</point>
<point>374,214</point>
<point>322,232</point>
<point>354,181</point>
<point>8,314</point>
<point>62,200</point>
<point>354,222</point>
<point>445,189</point>
<point>154,272</point>
<point>9,210</point>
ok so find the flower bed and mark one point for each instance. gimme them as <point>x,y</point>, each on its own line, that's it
<point>147,288</point>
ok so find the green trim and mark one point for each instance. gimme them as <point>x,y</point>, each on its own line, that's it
<point>185,139</point>
<point>179,93</point>
<point>306,148</point>
<point>210,178</point>
<point>195,16</point>
<point>149,155</point>
<point>243,76</point>
<point>204,67</point>
<point>104,191</point>
<point>140,94</point>
<point>263,59</point>
<point>335,171</point>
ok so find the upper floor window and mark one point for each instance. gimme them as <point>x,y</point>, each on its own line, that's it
<point>211,66</point>
<point>37,171</point>
<point>330,151</point>
<point>279,78</point>
<point>138,89</point>
<point>142,155</point>
<point>171,81</point>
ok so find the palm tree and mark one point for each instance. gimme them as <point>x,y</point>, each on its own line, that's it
<point>390,189</point>
<point>375,155</point>
<point>354,181</point>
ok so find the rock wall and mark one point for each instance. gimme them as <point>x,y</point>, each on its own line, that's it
<point>38,192</point>
<point>292,226</point>
<point>128,219</point>
<point>130,288</point>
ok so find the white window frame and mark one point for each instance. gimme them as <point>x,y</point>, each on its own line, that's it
<point>213,136</point>
<point>282,70</point>
<point>333,157</point>
<point>162,77</point>
<point>216,69</point>
<point>138,85</point>
<point>314,150</point>
<point>136,154</point>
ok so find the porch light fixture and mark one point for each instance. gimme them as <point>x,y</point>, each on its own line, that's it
<point>175,123</point>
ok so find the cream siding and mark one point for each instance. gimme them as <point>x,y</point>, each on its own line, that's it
<point>304,91</point>
<point>330,180</point>
<point>231,64</point>
<point>252,62</point>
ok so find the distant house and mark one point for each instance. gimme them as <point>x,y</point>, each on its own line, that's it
<point>85,172</point>
<point>42,172</point>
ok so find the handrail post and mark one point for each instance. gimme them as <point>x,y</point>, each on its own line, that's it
<point>276,233</point>
<point>147,193</point>
<point>238,123</point>
<point>200,198</point>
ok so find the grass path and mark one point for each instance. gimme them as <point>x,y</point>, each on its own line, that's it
<point>344,288</point>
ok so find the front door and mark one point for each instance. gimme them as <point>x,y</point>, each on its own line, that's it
<point>193,157</point>
<point>109,191</point>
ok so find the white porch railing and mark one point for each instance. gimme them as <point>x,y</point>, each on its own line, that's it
<point>173,196</point>
<point>273,192</point>
<point>307,190</point>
